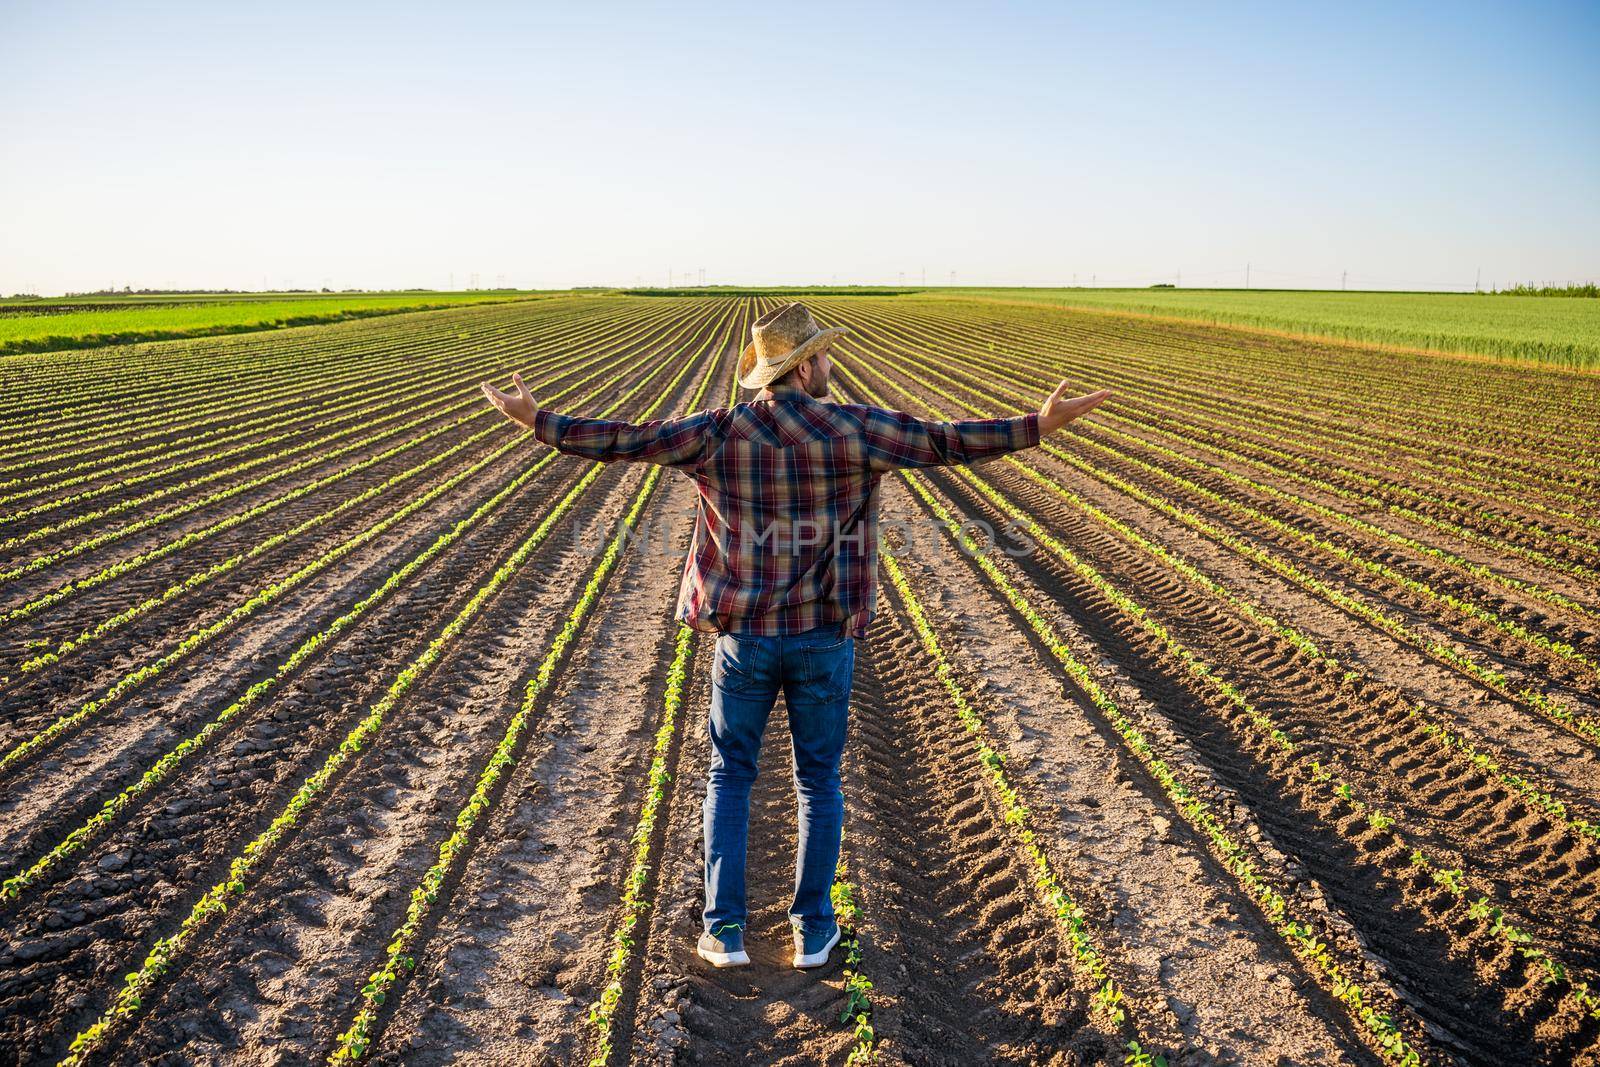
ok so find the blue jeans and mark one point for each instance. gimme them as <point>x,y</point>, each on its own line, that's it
<point>814,671</point>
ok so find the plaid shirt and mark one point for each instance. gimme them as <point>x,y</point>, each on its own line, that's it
<point>786,532</point>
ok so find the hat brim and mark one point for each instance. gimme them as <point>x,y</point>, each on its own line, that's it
<point>753,375</point>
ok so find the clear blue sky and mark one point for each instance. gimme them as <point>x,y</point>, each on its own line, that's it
<point>395,145</point>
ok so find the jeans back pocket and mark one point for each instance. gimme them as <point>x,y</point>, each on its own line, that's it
<point>740,665</point>
<point>829,669</point>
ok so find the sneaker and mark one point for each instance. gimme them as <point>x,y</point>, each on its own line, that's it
<point>812,950</point>
<point>724,949</point>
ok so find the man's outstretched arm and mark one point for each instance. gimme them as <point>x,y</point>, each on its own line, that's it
<point>670,442</point>
<point>895,439</point>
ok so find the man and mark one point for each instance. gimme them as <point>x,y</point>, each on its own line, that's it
<point>783,565</point>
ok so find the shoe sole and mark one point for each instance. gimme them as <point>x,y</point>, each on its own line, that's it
<point>725,959</point>
<point>818,958</point>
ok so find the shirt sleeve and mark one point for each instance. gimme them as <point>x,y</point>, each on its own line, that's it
<point>895,439</point>
<point>670,442</point>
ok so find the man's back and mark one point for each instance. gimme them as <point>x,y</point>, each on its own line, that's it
<point>786,539</point>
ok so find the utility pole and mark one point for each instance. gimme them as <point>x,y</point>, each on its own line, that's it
<point>1094,281</point>
<point>902,279</point>
<point>1247,275</point>
<point>1477,281</point>
<point>952,278</point>
<point>1343,275</point>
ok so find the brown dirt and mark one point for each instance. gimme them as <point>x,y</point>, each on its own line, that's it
<point>968,964</point>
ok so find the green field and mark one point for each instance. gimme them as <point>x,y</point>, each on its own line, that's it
<point>92,320</point>
<point>1552,330</point>
<point>1539,329</point>
<point>326,620</point>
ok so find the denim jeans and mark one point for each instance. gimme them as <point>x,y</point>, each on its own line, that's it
<point>814,670</point>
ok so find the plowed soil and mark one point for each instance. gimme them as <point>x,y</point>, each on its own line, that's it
<point>1335,595</point>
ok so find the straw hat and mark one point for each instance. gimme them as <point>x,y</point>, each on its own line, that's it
<point>781,340</point>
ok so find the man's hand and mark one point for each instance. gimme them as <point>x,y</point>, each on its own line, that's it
<point>518,406</point>
<point>1060,409</point>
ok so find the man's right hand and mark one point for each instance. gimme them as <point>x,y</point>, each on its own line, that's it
<point>518,406</point>
<point>1060,409</point>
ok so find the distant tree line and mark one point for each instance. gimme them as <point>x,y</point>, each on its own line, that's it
<point>1588,289</point>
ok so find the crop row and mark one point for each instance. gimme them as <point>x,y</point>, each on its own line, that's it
<point>353,407</point>
<point>305,404</point>
<point>169,763</point>
<point>202,636</point>
<point>453,851</point>
<point>1459,602</point>
<point>1263,618</point>
<point>1318,776</point>
<point>1089,959</point>
<point>476,410</point>
<point>1202,385</point>
<point>357,422</point>
<point>857,1010</point>
<point>92,709</point>
<point>620,338</point>
<point>1202,374</point>
<point>116,392</point>
<point>354,1041</point>
<point>286,388</point>
<point>215,903</point>
<point>1095,367</point>
<point>194,389</point>
<point>594,366</point>
<point>1551,707</point>
<point>635,906</point>
<point>1268,888</point>
<point>1016,365</point>
<point>1272,626</point>
<point>1459,402</point>
<point>285,382</point>
<point>1470,749</point>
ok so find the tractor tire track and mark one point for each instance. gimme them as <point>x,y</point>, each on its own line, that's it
<point>1208,977</point>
